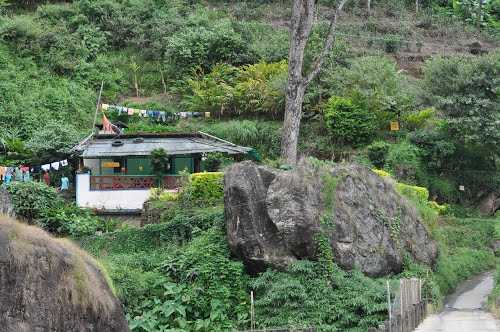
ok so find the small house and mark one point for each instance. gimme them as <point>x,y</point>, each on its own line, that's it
<point>116,172</point>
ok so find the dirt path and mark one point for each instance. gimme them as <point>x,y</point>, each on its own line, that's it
<point>464,309</point>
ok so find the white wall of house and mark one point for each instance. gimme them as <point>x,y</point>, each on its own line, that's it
<point>110,200</point>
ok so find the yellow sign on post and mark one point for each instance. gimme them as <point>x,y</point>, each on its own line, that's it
<point>110,164</point>
<point>394,126</point>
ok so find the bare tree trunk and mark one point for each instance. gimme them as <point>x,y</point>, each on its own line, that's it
<point>291,124</point>
<point>480,14</point>
<point>136,85</point>
<point>300,29</point>
<point>369,6</point>
<point>163,81</point>
<point>417,6</point>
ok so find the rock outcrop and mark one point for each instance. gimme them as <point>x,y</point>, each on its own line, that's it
<point>490,204</point>
<point>274,217</point>
<point>49,284</point>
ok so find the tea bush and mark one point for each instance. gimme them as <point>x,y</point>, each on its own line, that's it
<point>377,152</point>
<point>349,123</point>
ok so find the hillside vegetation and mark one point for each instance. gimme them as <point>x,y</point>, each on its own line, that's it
<point>436,72</point>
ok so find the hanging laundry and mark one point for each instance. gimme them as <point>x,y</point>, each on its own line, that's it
<point>46,178</point>
<point>104,107</point>
<point>25,169</point>
<point>130,111</point>
<point>162,116</point>
<point>26,176</point>
<point>55,165</point>
<point>207,115</point>
<point>183,115</point>
<point>3,171</point>
<point>18,175</point>
<point>64,162</point>
<point>144,113</point>
<point>7,179</point>
<point>46,167</point>
<point>64,183</point>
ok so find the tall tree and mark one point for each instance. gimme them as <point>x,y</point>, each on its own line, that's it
<point>300,29</point>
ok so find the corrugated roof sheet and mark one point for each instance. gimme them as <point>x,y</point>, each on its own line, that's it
<point>100,147</point>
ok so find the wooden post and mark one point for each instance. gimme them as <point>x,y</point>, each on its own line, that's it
<point>97,106</point>
<point>252,312</point>
<point>401,304</point>
<point>389,305</point>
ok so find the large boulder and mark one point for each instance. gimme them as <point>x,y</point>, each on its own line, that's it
<point>49,284</point>
<point>274,217</point>
<point>490,204</point>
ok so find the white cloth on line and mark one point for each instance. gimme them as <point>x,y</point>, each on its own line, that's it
<point>64,162</point>
<point>55,165</point>
<point>46,167</point>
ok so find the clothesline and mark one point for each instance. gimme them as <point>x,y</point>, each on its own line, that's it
<point>158,115</point>
<point>26,169</point>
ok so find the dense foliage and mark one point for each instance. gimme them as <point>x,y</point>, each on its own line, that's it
<point>229,58</point>
<point>41,205</point>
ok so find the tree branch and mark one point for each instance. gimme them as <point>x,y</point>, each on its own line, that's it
<point>330,39</point>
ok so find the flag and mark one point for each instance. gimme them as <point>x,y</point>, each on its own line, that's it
<point>108,127</point>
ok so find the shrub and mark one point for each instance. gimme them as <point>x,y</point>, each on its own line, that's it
<point>262,136</point>
<point>381,173</point>
<point>302,296</point>
<point>68,219</point>
<point>377,152</point>
<point>349,123</point>
<point>32,200</point>
<point>203,187</point>
<point>392,43</point>
<point>414,193</point>
<point>403,160</point>
<point>420,119</point>
<point>376,83</point>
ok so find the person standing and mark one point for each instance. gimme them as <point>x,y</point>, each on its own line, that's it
<point>64,183</point>
<point>46,178</point>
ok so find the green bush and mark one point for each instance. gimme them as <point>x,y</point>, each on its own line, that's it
<point>32,200</point>
<point>349,123</point>
<point>168,283</point>
<point>40,204</point>
<point>414,193</point>
<point>377,152</point>
<point>464,251</point>
<point>403,160</point>
<point>68,219</point>
<point>203,187</point>
<point>420,119</point>
<point>262,136</point>
<point>302,296</point>
<point>392,43</point>
<point>377,83</point>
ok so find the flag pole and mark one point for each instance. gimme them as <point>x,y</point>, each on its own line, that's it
<point>97,106</point>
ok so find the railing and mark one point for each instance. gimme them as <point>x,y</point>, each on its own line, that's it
<point>407,310</point>
<point>131,182</point>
